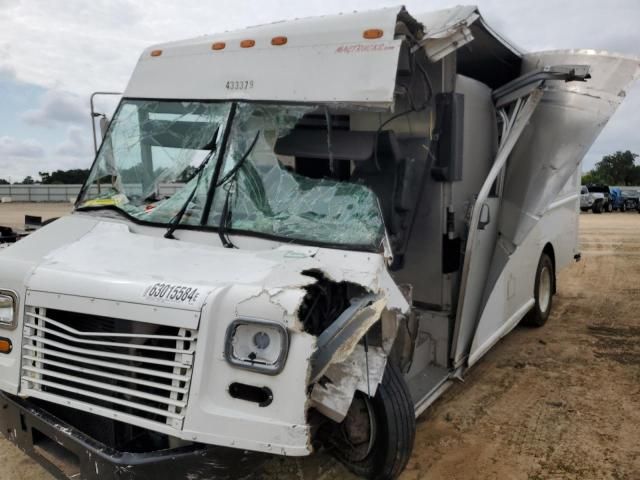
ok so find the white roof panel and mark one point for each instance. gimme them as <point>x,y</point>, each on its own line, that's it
<point>325,59</point>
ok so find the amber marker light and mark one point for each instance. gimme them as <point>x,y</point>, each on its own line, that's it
<point>277,41</point>
<point>5,345</point>
<point>156,53</point>
<point>372,33</point>
<point>247,43</point>
<point>218,46</point>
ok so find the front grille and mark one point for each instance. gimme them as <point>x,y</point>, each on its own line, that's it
<point>117,368</point>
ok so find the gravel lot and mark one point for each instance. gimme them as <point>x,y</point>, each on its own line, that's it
<point>12,214</point>
<point>561,402</point>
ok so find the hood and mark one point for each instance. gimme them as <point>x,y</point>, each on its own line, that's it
<point>113,263</point>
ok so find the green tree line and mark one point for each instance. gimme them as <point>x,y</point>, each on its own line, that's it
<point>75,175</point>
<point>616,169</point>
<point>78,175</point>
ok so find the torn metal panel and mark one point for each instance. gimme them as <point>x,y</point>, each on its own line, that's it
<point>438,48</point>
<point>337,342</point>
<point>360,371</point>
<point>396,299</point>
<point>527,83</point>
<point>575,110</point>
<point>488,56</point>
<point>446,22</point>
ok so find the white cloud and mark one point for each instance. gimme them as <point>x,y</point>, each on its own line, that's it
<point>11,147</point>
<point>74,151</point>
<point>57,107</point>
<point>19,158</point>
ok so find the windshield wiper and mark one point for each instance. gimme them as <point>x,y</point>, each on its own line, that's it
<point>225,215</point>
<point>175,221</point>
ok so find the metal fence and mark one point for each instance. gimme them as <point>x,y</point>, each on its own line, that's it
<point>60,193</point>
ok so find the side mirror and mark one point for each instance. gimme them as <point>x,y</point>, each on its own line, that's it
<point>485,217</point>
<point>104,124</point>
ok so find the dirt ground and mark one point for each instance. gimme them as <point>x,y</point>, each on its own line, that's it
<point>560,402</point>
<point>12,214</point>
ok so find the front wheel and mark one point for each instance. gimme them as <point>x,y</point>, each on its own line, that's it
<point>609,208</point>
<point>376,438</point>
<point>543,293</point>
<point>597,208</point>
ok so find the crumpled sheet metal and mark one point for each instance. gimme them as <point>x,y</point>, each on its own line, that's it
<point>360,371</point>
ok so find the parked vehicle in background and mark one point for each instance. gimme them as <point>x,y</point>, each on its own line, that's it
<point>586,200</point>
<point>630,200</point>
<point>617,201</point>
<point>596,197</point>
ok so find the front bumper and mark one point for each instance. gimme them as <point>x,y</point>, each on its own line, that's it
<point>68,453</point>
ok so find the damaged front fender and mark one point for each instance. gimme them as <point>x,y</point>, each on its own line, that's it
<point>342,363</point>
<point>339,340</point>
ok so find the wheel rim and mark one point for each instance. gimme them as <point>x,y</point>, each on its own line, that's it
<point>358,430</point>
<point>544,289</point>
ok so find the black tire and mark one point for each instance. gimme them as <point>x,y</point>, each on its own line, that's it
<point>395,427</point>
<point>609,207</point>
<point>541,310</point>
<point>583,209</point>
<point>597,207</point>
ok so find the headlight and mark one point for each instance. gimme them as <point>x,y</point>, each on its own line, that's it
<point>8,309</point>
<point>257,345</point>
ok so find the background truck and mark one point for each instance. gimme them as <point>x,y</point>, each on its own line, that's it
<point>631,199</point>
<point>373,201</point>
<point>597,198</point>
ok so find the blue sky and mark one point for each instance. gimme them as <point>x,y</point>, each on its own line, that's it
<point>54,53</point>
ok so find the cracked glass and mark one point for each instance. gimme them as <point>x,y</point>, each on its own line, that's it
<point>159,155</point>
<point>148,162</point>
<point>267,196</point>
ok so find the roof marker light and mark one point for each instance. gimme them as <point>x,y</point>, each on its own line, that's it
<point>247,43</point>
<point>372,33</point>
<point>156,53</point>
<point>277,41</point>
<point>218,46</point>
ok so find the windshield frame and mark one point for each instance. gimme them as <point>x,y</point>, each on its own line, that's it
<point>202,226</point>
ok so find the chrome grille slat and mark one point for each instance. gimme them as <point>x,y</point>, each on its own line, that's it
<point>40,339</point>
<point>121,367</point>
<point>98,373</point>
<point>129,346</point>
<point>103,386</point>
<point>91,394</point>
<point>104,334</point>
<point>99,363</point>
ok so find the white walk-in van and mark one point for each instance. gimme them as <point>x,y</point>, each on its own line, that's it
<point>362,206</point>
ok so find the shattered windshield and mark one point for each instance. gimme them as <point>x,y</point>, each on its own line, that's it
<point>241,168</point>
